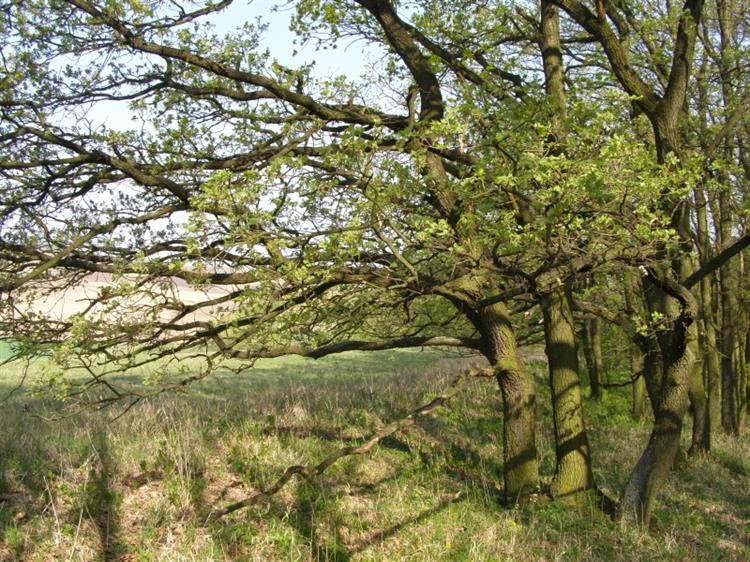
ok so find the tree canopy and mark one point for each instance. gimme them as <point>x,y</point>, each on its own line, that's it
<point>496,171</point>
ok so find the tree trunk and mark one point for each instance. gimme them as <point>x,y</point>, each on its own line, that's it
<point>653,370</point>
<point>698,401</point>
<point>520,468</point>
<point>592,352</point>
<point>713,379</point>
<point>639,383</point>
<point>677,346</point>
<point>742,386</point>
<point>573,471</point>
<point>711,363</point>
<point>729,339</point>
<point>657,459</point>
<point>728,345</point>
<point>638,347</point>
<point>593,367</point>
<point>596,345</point>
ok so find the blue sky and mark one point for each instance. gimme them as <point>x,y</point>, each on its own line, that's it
<point>347,59</point>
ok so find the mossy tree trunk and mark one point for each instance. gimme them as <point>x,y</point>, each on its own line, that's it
<point>671,405</point>
<point>520,468</point>
<point>657,459</point>
<point>573,470</point>
<point>493,322</point>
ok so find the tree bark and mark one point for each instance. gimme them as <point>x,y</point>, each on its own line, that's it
<point>573,470</point>
<point>698,402</point>
<point>592,353</point>
<point>639,384</point>
<point>727,340</point>
<point>711,363</point>
<point>658,457</point>
<point>520,467</point>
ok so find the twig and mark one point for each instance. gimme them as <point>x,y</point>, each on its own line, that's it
<point>309,472</point>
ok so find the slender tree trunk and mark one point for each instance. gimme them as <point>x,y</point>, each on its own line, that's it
<point>520,467</point>
<point>698,401</point>
<point>747,382</point>
<point>729,339</point>
<point>573,471</point>
<point>639,384</point>
<point>639,348</point>
<point>729,378</point>
<point>596,344</point>
<point>592,358</point>
<point>742,386</point>
<point>711,362</point>
<point>712,369</point>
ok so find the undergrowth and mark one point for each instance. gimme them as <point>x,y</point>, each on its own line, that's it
<point>140,487</point>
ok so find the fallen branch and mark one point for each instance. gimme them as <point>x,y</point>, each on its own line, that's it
<point>309,472</point>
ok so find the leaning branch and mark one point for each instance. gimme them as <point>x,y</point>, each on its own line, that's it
<point>717,261</point>
<point>350,345</point>
<point>308,472</point>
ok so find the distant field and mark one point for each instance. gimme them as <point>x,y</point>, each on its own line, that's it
<point>5,350</point>
<point>57,303</point>
<point>139,488</point>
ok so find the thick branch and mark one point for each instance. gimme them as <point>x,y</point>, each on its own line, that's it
<point>401,40</point>
<point>336,113</point>
<point>717,261</point>
<point>351,345</point>
<point>616,53</point>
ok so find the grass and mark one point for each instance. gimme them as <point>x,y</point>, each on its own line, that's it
<point>138,488</point>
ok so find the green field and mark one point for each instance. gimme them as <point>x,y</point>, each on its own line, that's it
<point>139,488</point>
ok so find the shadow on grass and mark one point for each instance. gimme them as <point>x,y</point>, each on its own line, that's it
<point>310,501</point>
<point>384,534</point>
<point>101,500</point>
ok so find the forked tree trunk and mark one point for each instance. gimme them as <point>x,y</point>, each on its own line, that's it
<point>520,466</point>
<point>657,459</point>
<point>671,404</point>
<point>573,471</point>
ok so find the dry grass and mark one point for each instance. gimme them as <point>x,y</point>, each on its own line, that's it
<point>139,488</point>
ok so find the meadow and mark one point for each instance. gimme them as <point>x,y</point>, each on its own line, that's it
<point>140,487</point>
